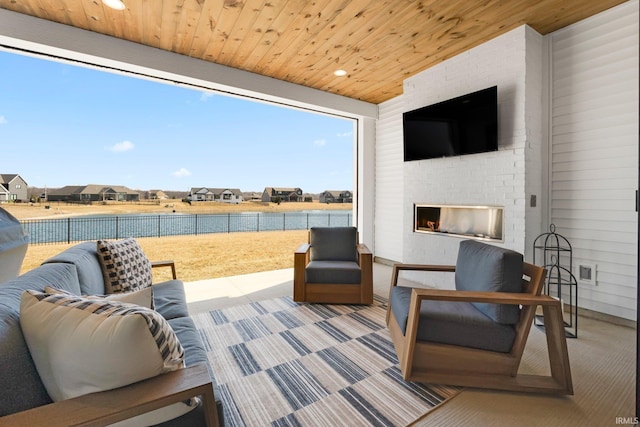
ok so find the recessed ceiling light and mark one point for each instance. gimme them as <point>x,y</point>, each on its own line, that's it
<point>114,4</point>
<point>340,73</point>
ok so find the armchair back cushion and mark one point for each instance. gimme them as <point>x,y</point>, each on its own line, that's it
<point>333,244</point>
<point>488,268</point>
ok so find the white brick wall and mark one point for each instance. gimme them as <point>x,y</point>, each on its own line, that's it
<point>504,178</point>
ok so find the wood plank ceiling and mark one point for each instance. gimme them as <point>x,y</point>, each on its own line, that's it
<point>378,42</point>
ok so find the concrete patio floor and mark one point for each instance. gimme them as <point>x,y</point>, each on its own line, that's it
<point>214,294</point>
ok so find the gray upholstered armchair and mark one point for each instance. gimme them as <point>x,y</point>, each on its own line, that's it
<point>475,335</point>
<point>333,268</point>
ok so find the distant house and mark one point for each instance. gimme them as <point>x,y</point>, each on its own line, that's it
<point>273,194</point>
<point>92,193</point>
<point>224,195</point>
<point>176,194</point>
<point>252,196</point>
<point>156,195</point>
<point>13,188</point>
<point>164,195</point>
<point>330,196</point>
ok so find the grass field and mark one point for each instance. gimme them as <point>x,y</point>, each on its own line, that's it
<point>205,256</point>
<point>197,257</point>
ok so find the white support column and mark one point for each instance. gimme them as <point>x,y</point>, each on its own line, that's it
<point>364,170</point>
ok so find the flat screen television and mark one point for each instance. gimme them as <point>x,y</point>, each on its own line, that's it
<point>464,125</point>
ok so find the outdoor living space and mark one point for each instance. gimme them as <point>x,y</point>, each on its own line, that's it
<point>601,361</point>
<point>562,159</point>
<point>601,358</point>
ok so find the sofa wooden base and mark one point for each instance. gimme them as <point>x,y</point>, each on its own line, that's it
<point>108,407</point>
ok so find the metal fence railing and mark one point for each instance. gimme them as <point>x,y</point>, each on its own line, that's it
<point>78,229</point>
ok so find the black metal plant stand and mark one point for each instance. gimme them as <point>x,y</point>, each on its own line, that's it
<point>561,283</point>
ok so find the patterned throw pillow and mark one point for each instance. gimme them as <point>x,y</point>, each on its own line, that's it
<point>81,345</point>
<point>124,265</point>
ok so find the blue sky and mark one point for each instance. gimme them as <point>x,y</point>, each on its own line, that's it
<point>67,125</point>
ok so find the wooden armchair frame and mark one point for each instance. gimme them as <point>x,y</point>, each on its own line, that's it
<point>108,407</point>
<point>437,363</point>
<point>332,293</point>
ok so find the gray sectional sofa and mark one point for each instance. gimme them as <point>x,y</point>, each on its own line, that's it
<point>77,270</point>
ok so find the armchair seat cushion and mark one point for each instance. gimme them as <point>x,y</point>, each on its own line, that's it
<point>454,323</point>
<point>345,272</point>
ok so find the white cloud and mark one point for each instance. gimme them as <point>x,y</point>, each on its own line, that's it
<point>204,97</point>
<point>182,172</point>
<point>3,120</point>
<point>121,147</point>
<point>344,134</point>
<point>320,142</point>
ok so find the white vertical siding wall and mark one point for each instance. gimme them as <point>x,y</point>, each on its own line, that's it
<point>389,225</point>
<point>594,152</point>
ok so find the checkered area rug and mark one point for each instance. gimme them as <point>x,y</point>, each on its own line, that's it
<point>280,363</point>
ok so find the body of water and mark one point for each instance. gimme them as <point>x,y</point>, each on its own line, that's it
<point>100,227</point>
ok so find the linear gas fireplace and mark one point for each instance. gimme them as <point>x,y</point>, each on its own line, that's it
<point>478,222</point>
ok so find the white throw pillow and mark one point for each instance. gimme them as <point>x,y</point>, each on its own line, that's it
<point>124,265</point>
<point>142,297</point>
<point>85,345</point>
